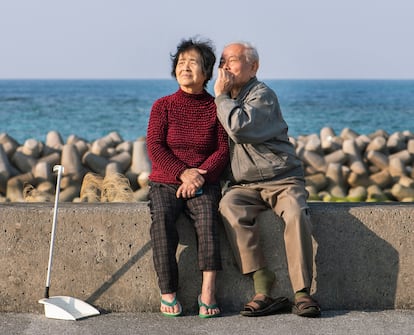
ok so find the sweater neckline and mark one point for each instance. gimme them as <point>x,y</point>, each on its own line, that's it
<point>192,95</point>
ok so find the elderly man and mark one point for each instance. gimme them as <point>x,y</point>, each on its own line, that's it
<point>265,173</point>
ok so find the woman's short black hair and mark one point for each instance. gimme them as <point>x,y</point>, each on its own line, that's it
<point>206,50</point>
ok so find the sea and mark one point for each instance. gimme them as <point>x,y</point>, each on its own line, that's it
<point>91,109</point>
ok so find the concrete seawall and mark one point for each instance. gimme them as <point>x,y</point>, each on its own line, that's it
<point>364,257</point>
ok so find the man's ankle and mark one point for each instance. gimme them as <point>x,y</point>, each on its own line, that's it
<point>302,293</point>
<point>263,280</point>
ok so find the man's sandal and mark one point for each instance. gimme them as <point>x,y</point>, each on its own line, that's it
<point>207,316</point>
<point>265,306</point>
<point>306,306</point>
<point>172,304</point>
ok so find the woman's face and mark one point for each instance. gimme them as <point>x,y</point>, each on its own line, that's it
<point>189,72</point>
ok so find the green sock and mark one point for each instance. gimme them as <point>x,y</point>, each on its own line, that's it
<point>263,281</point>
<point>302,293</point>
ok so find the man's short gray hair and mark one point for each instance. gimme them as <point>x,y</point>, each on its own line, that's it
<point>250,51</point>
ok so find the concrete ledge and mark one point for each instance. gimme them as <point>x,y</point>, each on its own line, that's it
<point>364,257</point>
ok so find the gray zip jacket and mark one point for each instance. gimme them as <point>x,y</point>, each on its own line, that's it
<point>260,149</point>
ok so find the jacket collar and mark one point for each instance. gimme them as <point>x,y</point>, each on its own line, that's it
<point>247,87</point>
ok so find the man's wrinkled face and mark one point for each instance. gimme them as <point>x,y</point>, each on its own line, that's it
<point>233,60</point>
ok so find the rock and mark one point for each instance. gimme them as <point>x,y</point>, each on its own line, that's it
<point>377,158</point>
<point>348,134</point>
<point>315,160</point>
<point>355,160</point>
<point>32,148</point>
<point>140,161</point>
<point>379,143</point>
<point>401,192</point>
<point>317,180</point>
<point>71,160</point>
<point>7,170</point>
<point>123,159</point>
<point>397,167</point>
<point>337,156</point>
<point>357,194</point>
<point>69,193</point>
<point>31,194</point>
<point>23,162</point>
<point>53,142</point>
<point>9,144</point>
<point>327,135</point>
<point>337,168</point>
<point>336,182</point>
<point>96,163</point>
<point>396,142</point>
<point>382,179</point>
<point>375,194</point>
<point>15,186</point>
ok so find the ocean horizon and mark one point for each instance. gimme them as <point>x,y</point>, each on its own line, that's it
<point>92,108</point>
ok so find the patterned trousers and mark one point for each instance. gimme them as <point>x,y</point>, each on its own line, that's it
<point>165,209</point>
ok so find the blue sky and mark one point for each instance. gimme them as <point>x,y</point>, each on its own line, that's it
<point>133,38</point>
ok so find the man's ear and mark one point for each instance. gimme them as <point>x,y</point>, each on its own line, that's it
<point>255,67</point>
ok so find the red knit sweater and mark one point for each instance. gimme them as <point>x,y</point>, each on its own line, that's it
<point>184,132</point>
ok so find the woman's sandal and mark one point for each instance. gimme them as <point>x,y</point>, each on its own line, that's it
<point>265,306</point>
<point>206,316</point>
<point>306,306</point>
<point>172,304</point>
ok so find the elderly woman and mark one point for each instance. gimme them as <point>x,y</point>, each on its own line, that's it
<point>188,149</point>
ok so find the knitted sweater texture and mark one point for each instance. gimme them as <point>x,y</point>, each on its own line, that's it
<point>184,132</point>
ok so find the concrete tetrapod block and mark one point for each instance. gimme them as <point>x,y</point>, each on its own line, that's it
<point>140,161</point>
<point>8,143</point>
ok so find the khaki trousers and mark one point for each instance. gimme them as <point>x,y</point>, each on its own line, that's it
<point>241,204</point>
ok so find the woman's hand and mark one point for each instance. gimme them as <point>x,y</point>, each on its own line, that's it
<point>192,180</point>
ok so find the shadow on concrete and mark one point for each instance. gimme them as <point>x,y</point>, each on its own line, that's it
<point>355,268</point>
<point>118,274</point>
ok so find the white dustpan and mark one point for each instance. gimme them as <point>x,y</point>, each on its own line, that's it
<point>62,307</point>
<point>67,308</point>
